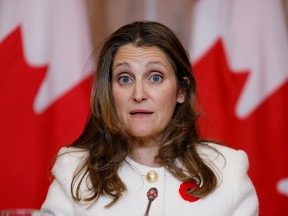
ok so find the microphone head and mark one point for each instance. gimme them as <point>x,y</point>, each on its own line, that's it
<point>152,193</point>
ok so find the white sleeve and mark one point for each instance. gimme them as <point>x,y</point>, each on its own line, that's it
<point>59,201</point>
<point>246,200</point>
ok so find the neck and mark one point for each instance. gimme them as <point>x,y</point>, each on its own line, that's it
<point>144,153</point>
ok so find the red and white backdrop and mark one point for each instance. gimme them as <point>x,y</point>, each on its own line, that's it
<point>44,92</point>
<point>239,52</point>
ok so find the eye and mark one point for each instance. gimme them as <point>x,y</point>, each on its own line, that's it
<point>125,79</point>
<point>156,78</point>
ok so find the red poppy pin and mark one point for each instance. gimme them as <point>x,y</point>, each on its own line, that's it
<point>185,187</point>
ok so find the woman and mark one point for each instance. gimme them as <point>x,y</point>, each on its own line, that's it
<point>141,152</point>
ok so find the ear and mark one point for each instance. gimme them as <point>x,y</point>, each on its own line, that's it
<point>181,97</point>
<point>182,94</point>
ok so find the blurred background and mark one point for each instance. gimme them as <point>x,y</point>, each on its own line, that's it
<point>239,56</point>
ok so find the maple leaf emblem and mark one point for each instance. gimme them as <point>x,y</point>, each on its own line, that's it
<point>262,134</point>
<point>29,140</point>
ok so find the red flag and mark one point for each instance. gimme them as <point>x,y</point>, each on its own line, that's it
<point>44,91</point>
<point>239,53</point>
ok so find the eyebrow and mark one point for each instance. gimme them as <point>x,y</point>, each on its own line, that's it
<point>156,62</point>
<point>125,64</point>
<point>120,64</point>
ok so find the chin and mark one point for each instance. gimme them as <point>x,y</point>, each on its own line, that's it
<point>142,134</point>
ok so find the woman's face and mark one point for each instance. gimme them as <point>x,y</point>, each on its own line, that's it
<point>144,89</point>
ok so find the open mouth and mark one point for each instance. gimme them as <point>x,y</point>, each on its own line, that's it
<point>140,113</point>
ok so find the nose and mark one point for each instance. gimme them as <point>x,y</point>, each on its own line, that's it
<point>140,93</point>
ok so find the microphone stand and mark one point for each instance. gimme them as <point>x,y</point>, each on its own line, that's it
<point>151,195</point>
<point>148,208</point>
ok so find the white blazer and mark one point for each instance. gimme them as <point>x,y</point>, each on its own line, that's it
<point>235,194</point>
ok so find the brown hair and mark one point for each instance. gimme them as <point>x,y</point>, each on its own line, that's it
<point>105,139</point>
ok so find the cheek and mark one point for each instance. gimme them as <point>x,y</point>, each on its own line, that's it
<point>167,102</point>
<point>119,101</point>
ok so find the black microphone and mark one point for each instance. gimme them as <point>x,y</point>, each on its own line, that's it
<point>151,195</point>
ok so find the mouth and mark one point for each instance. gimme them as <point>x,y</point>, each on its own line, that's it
<point>140,112</point>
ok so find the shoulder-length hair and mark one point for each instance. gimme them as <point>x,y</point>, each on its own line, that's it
<point>105,139</point>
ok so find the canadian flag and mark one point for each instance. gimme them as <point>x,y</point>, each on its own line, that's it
<point>239,52</point>
<point>44,91</point>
